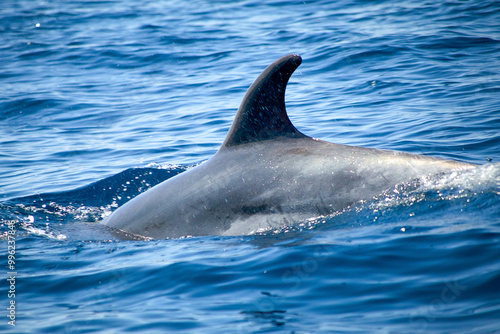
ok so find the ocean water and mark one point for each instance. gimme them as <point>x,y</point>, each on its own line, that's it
<point>101,100</point>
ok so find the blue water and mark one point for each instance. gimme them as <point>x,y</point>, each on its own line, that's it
<point>100,100</point>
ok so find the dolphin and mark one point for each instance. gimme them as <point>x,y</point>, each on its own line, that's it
<point>267,174</point>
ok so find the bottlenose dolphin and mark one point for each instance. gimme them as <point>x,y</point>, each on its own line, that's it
<point>267,174</point>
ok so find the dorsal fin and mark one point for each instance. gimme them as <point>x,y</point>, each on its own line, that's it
<point>262,113</point>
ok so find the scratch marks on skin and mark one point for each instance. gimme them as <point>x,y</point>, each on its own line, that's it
<point>382,174</point>
<point>412,167</point>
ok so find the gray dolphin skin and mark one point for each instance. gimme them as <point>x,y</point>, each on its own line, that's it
<point>267,174</point>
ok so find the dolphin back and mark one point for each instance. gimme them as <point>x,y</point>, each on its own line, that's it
<point>267,174</point>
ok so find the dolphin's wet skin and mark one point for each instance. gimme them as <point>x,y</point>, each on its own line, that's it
<point>268,174</point>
